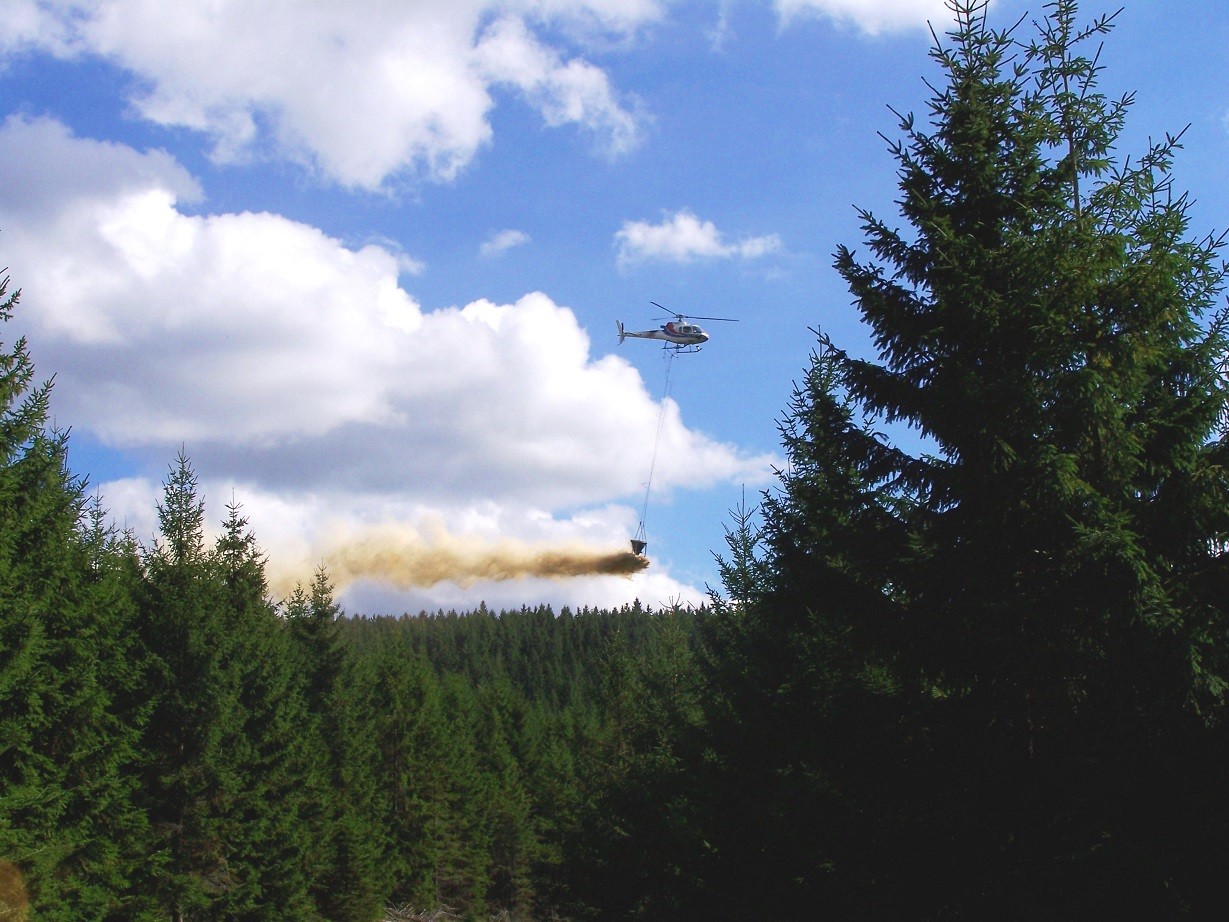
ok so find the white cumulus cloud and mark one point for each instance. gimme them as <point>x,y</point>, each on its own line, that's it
<point>683,237</point>
<point>363,92</point>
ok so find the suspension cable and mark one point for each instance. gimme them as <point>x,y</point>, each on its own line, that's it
<point>661,419</point>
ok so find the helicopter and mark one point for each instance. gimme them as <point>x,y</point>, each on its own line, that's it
<point>677,334</point>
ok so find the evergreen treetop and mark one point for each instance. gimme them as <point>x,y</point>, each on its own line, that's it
<point>985,644</point>
<point>1050,329</point>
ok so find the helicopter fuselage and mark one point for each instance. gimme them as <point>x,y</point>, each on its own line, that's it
<point>676,332</point>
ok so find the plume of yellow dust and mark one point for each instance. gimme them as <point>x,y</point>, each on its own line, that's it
<point>402,557</point>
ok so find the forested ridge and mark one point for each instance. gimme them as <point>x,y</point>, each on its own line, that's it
<point>969,660</point>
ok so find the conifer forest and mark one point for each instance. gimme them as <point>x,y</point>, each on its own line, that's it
<point>969,660</point>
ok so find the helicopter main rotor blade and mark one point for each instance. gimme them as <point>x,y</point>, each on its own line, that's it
<point>692,316</point>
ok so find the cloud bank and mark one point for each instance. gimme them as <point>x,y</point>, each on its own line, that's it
<point>300,375</point>
<point>363,92</point>
<point>369,94</point>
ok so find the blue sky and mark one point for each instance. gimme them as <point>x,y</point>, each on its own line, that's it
<point>363,261</point>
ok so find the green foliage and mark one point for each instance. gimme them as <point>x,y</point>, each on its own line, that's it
<point>637,843</point>
<point>1006,645</point>
<point>189,782</point>
<point>231,775</point>
<point>68,722</point>
<point>494,740</point>
<point>347,843</point>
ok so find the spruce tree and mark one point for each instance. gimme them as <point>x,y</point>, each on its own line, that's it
<point>403,707</point>
<point>507,821</point>
<point>190,782</point>
<point>988,657</point>
<point>311,618</point>
<point>358,880</point>
<point>347,842</point>
<point>69,716</point>
<point>281,770</point>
